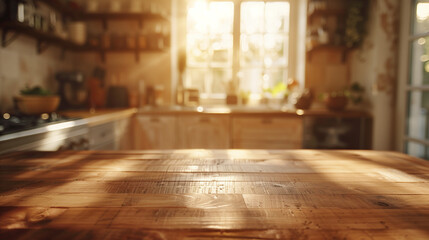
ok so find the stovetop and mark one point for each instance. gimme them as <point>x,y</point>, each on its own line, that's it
<point>16,123</point>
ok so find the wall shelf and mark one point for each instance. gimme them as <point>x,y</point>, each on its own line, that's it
<point>42,38</point>
<point>70,11</point>
<point>104,51</point>
<point>325,13</point>
<point>12,29</point>
<point>105,17</point>
<point>328,47</point>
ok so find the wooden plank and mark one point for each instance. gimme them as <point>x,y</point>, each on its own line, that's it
<point>219,194</point>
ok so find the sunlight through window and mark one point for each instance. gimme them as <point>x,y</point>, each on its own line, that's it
<point>261,33</point>
<point>422,11</point>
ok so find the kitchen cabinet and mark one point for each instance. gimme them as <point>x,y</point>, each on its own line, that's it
<point>209,132</point>
<point>259,132</point>
<point>114,135</point>
<point>184,128</point>
<point>102,137</point>
<point>124,138</point>
<point>155,132</point>
<point>337,132</point>
<point>108,129</point>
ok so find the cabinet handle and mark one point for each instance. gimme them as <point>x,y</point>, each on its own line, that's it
<point>267,121</point>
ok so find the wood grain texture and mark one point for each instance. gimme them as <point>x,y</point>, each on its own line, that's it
<point>213,194</point>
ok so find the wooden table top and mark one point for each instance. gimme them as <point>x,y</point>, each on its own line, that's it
<point>221,194</point>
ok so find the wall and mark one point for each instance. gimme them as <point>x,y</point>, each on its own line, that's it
<point>374,65</point>
<point>153,68</point>
<point>20,65</point>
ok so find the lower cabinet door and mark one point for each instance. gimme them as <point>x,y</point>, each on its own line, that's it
<point>102,137</point>
<point>124,136</point>
<point>267,132</point>
<point>155,132</point>
<point>208,132</point>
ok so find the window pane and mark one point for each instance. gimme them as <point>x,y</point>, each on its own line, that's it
<point>197,19</point>
<point>419,67</point>
<point>195,78</point>
<point>272,79</point>
<point>252,17</point>
<point>275,50</point>
<point>421,20</point>
<point>277,17</point>
<point>198,50</point>
<point>417,150</point>
<point>209,45</point>
<point>221,50</point>
<point>221,17</point>
<point>220,79</point>
<point>251,80</point>
<point>418,115</point>
<point>216,17</point>
<point>251,50</point>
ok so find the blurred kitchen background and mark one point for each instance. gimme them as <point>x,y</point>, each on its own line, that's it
<point>242,56</point>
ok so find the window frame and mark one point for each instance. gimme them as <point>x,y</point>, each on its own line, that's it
<point>405,86</point>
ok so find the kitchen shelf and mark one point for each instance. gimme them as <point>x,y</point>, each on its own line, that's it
<point>66,10</point>
<point>76,13</point>
<point>325,13</point>
<point>42,38</point>
<point>104,51</point>
<point>328,47</point>
<point>105,17</point>
<point>12,29</point>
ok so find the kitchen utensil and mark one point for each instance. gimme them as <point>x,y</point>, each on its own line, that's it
<point>11,10</point>
<point>92,6</point>
<point>191,97</point>
<point>97,95</point>
<point>135,6</point>
<point>72,89</point>
<point>117,97</point>
<point>36,105</point>
<point>304,99</point>
<point>158,93</point>
<point>77,32</point>
<point>115,6</point>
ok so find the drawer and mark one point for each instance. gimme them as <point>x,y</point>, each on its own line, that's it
<point>209,132</point>
<point>268,128</point>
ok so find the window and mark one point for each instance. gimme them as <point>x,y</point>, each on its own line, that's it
<point>237,46</point>
<point>414,91</point>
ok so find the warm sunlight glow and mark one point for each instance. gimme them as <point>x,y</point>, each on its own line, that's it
<point>422,11</point>
<point>210,17</point>
<point>198,11</point>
